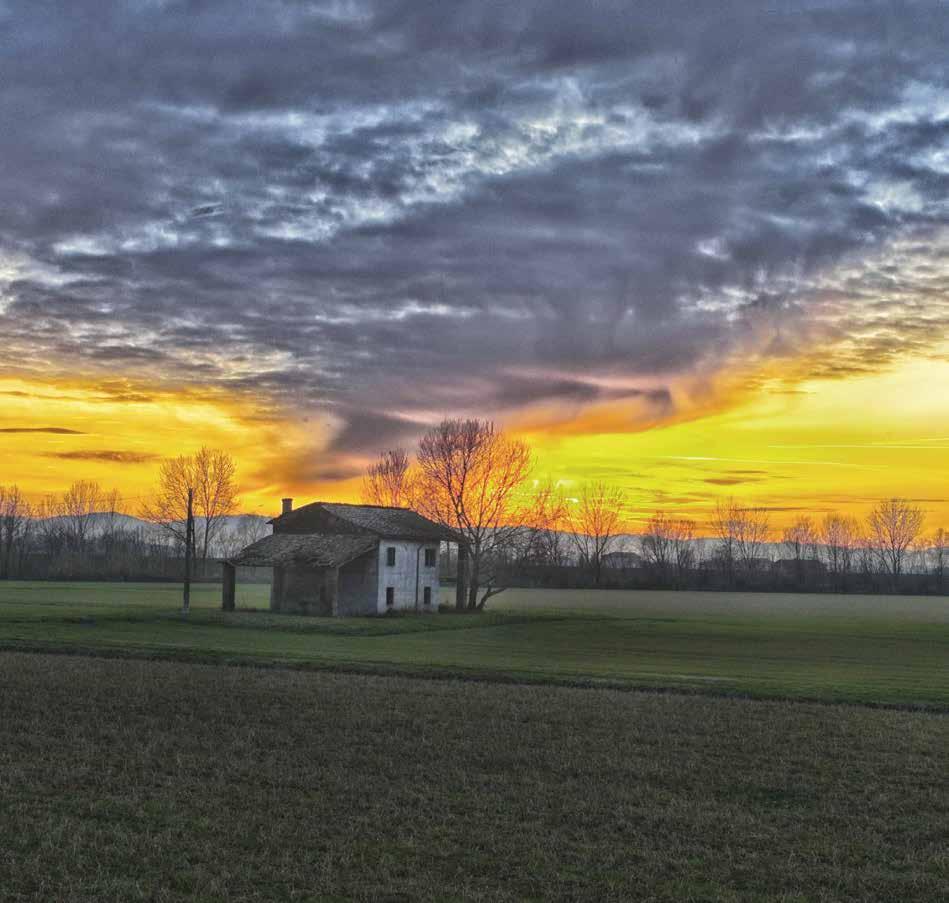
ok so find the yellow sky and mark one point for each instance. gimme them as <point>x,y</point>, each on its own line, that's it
<point>816,445</point>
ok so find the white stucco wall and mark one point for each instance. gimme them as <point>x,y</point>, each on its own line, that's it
<point>402,575</point>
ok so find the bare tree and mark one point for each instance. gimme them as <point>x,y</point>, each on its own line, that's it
<point>388,481</point>
<point>800,543</point>
<point>469,476</point>
<point>111,522</point>
<point>682,535</point>
<point>866,561</point>
<point>249,528</point>
<point>540,540</point>
<point>668,546</point>
<point>939,556</point>
<point>754,528</point>
<point>15,521</point>
<point>894,525</point>
<point>656,544</point>
<point>50,527</point>
<point>742,533</point>
<point>79,503</point>
<point>209,474</point>
<point>800,539</point>
<point>726,529</point>
<point>595,522</point>
<point>840,536</point>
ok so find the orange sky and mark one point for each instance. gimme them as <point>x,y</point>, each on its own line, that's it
<point>813,445</point>
<point>696,255</point>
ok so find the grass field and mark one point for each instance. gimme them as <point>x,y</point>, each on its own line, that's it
<point>876,649</point>
<point>142,780</point>
<point>123,777</point>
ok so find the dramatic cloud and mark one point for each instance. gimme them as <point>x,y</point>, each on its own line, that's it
<point>58,430</point>
<point>378,213</point>
<point>107,455</point>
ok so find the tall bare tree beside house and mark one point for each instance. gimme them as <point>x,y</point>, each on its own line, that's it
<point>595,521</point>
<point>894,525</point>
<point>388,480</point>
<point>15,522</point>
<point>469,476</point>
<point>209,474</point>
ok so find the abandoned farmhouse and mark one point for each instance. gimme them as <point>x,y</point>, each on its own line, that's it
<point>338,559</point>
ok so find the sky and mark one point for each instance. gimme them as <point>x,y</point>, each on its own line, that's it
<point>693,250</point>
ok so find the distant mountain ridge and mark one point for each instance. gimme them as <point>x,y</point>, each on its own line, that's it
<point>232,529</point>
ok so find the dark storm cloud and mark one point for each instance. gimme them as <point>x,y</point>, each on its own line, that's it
<point>372,208</point>
<point>369,431</point>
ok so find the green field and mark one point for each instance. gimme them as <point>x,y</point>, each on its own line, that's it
<point>142,780</point>
<point>873,649</point>
<point>123,777</point>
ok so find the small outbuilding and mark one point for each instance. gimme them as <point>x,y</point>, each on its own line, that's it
<point>332,559</point>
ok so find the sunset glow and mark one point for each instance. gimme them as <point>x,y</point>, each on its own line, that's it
<point>694,262</point>
<point>806,449</point>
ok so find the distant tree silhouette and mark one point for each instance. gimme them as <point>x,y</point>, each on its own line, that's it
<point>79,502</point>
<point>540,541</point>
<point>209,474</point>
<point>840,537</point>
<point>595,521</point>
<point>15,523</point>
<point>894,525</point>
<point>388,480</point>
<point>939,553</point>
<point>800,543</point>
<point>668,547</point>
<point>742,533</point>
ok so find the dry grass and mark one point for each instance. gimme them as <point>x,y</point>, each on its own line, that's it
<point>134,780</point>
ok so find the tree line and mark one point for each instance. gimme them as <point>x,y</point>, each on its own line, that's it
<point>83,532</point>
<point>471,477</point>
<point>837,552</point>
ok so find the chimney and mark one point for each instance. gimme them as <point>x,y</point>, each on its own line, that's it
<point>287,506</point>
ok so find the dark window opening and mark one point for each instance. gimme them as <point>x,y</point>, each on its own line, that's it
<point>390,556</point>
<point>390,596</point>
<point>427,596</point>
<point>430,558</point>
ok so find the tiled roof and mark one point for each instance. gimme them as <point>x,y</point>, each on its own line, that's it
<point>387,523</point>
<point>392,523</point>
<point>308,549</point>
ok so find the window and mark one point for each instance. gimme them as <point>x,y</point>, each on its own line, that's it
<point>390,596</point>
<point>390,556</point>
<point>430,558</point>
<point>427,597</point>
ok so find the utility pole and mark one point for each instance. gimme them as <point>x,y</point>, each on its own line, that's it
<point>189,542</point>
